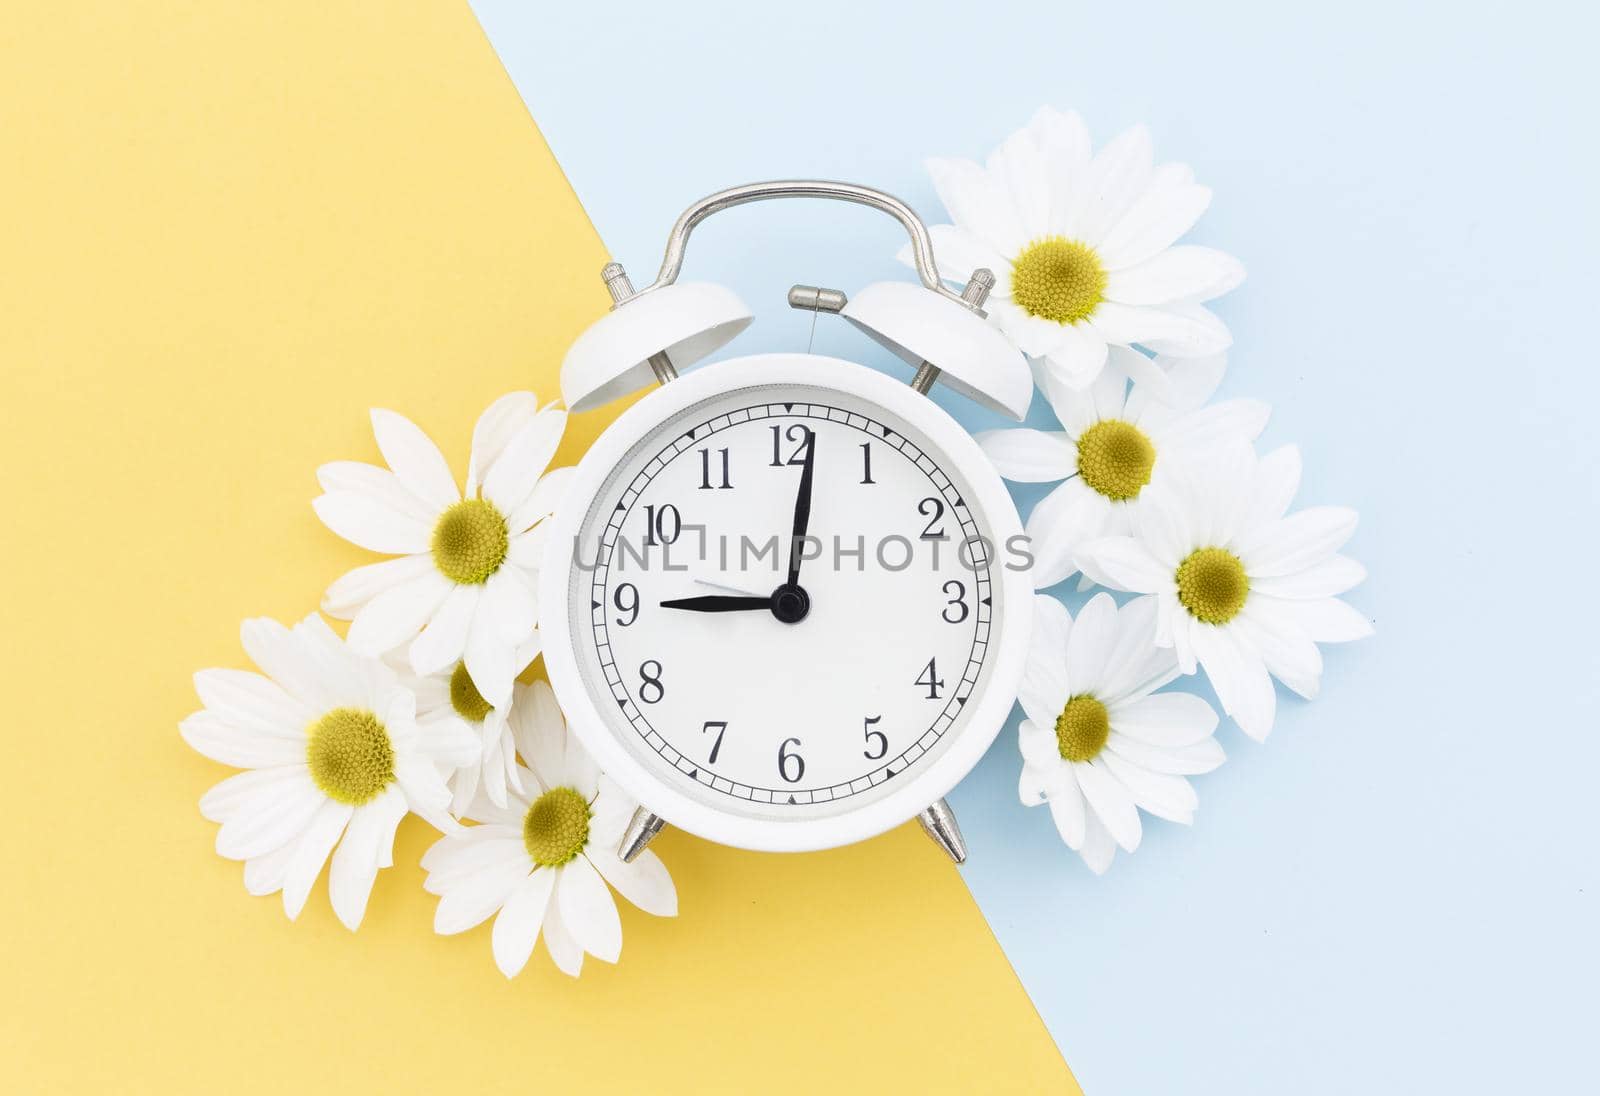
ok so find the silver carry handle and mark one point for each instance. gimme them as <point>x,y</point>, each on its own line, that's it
<point>921,242</point>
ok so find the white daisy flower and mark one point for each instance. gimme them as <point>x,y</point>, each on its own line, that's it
<point>1240,587</point>
<point>452,698</point>
<point>1112,445</point>
<point>1082,247</point>
<point>1098,741</point>
<point>467,576</point>
<point>541,864</point>
<point>335,757</point>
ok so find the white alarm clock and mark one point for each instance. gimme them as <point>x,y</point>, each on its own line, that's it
<point>785,602</point>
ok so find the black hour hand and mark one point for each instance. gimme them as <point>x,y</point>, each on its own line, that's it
<point>718,603</point>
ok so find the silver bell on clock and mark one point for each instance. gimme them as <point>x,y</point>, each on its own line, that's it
<point>785,605</point>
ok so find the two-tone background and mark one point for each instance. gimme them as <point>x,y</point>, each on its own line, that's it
<point>227,230</point>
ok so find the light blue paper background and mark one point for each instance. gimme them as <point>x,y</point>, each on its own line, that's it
<point>1397,892</point>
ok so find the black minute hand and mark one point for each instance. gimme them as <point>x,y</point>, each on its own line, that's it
<point>718,603</point>
<point>802,509</point>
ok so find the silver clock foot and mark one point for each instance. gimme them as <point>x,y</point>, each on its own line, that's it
<point>642,829</point>
<point>939,823</point>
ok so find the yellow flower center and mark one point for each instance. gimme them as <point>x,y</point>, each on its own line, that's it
<point>557,827</point>
<point>1058,279</point>
<point>1115,458</point>
<point>350,755</point>
<point>1212,585</point>
<point>470,541</point>
<point>1082,729</point>
<point>465,698</point>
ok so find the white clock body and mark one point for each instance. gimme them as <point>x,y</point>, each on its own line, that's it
<point>743,727</point>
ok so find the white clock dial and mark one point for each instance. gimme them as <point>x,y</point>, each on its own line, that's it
<point>817,699</point>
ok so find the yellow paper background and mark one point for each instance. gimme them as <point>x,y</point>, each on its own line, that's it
<point>226,231</point>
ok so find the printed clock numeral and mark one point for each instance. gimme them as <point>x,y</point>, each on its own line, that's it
<point>955,610</point>
<point>796,433</point>
<point>929,679</point>
<point>875,739</point>
<point>705,470</point>
<point>626,599</point>
<point>662,525</point>
<point>791,766</point>
<point>716,747</point>
<point>650,688</point>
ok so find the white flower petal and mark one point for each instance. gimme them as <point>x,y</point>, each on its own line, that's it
<point>1182,330</point>
<point>414,458</point>
<point>1098,849</point>
<point>1287,652</point>
<point>1163,795</point>
<point>310,852</point>
<point>355,588</point>
<point>1135,665</point>
<point>269,823</point>
<point>1064,144</point>
<point>1230,421</point>
<point>512,605</point>
<point>540,731</point>
<point>491,661</point>
<point>644,882</point>
<point>513,475</point>
<point>1200,757</point>
<point>1168,208</point>
<point>1123,563</point>
<point>1325,620</point>
<point>264,874</point>
<point>1093,633</point>
<point>1177,274</point>
<point>289,662</point>
<point>1063,520</point>
<point>250,791</point>
<point>498,424</point>
<point>1078,356</point>
<point>1239,678</point>
<point>544,500</point>
<point>516,927</point>
<point>454,861</point>
<point>958,253</point>
<point>396,616</point>
<point>978,204</point>
<point>565,951</point>
<point>1297,542</point>
<point>356,860</point>
<point>1045,687</point>
<point>1165,719</point>
<point>588,911</point>
<point>1033,335</point>
<point>1114,181</point>
<point>1067,810</point>
<point>445,638</point>
<point>1018,169</point>
<point>473,898</point>
<point>1273,487</point>
<point>1329,578</point>
<point>1038,782</point>
<point>372,525</point>
<point>378,484</point>
<point>1111,803</point>
<point>252,702</point>
<point>1030,456</point>
<point>1036,741</point>
<point>243,748</point>
<point>1174,325</point>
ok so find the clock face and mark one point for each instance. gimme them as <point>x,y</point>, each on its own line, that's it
<point>761,684</point>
